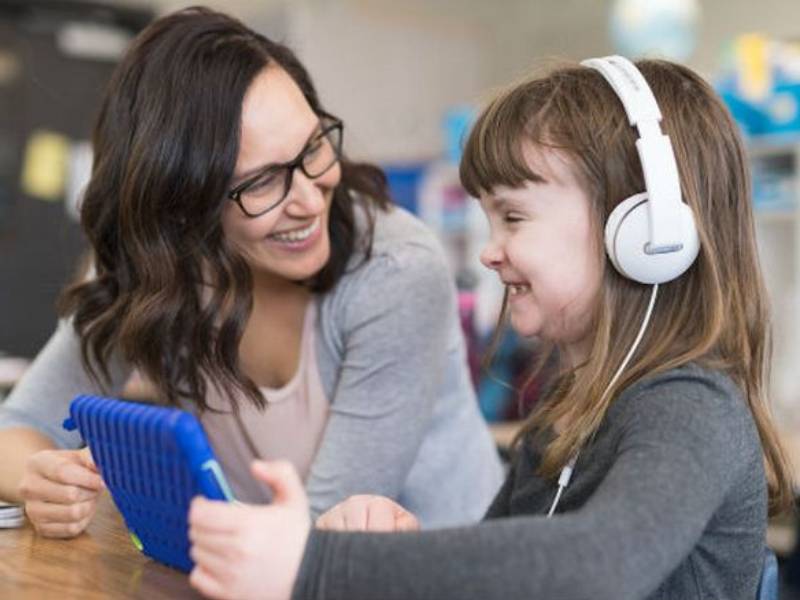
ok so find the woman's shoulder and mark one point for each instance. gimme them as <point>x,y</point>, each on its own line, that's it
<point>404,289</point>
<point>403,252</point>
<point>406,267</point>
<point>398,233</point>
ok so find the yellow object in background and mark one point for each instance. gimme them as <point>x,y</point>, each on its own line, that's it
<point>45,165</point>
<point>752,56</point>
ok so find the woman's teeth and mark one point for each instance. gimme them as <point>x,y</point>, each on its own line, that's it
<point>515,290</point>
<point>295,236</point>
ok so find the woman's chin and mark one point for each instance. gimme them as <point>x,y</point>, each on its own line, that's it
<point>299,268</point>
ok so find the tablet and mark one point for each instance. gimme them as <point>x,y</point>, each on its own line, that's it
<point>153,460</point>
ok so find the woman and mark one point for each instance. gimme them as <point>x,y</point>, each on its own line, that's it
<point>253,274</point>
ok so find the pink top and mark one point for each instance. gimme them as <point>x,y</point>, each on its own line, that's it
<point>290,427</point>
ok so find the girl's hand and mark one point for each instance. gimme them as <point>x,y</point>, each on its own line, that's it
<point>245,551</point>
<point>60,489</point>
<point>368,513</point>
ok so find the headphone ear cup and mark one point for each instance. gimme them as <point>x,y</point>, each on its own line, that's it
<point>627,234</point>
<point>613,222</point>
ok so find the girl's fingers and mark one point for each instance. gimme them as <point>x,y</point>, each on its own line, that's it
<point>324,520</point>
<point>355,516</point>
<point>405,521</point>
<point>368,513</point>
<point>211,558</point>
<point>214,516</point>
<point>380,517</point>
<point>283,480</point>
<point>220,543</point>
<point>203,581</point>
<point>332,520</point>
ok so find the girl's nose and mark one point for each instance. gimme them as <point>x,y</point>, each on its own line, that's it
<point>492,256</point>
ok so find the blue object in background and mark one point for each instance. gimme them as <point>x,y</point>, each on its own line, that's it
<point>768,588</point>
<point>153,460</point>
<point>457,123</point>
<point>496,390</point>
<point>776,114</point>
<point>749,118</point>
<point>404,179</point>
<point>404,183</point>
<point>782,109</point>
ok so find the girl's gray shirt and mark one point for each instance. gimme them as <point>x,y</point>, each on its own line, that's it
<point>404,421</point>
<point>669,502</point>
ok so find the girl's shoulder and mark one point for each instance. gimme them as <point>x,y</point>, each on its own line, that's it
<point>688,400</point>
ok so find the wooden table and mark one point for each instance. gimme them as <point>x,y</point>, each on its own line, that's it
<point>101,563</point>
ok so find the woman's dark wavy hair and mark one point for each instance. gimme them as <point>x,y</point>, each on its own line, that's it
<point>170,295</point>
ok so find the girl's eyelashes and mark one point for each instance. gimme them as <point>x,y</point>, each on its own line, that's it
<point>512,217</point>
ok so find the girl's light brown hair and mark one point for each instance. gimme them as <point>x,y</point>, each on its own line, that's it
<point>715,315</point>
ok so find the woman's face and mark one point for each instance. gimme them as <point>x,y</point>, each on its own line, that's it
<point>289,242</point>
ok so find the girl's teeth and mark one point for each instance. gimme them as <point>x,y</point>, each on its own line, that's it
<point>295,236</point>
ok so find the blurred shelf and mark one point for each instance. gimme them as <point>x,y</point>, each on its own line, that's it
<point>772,144</point>
<point>775,215</point>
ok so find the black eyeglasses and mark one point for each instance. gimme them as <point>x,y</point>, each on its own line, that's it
<point>268,188</point>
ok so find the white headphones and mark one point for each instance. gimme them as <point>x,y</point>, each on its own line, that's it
<point>650,237</point>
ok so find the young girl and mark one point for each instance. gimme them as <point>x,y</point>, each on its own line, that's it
<point>253,274</point>
<point>648,468</point>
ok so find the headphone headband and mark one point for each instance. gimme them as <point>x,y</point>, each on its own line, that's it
<point>655,151</point>
<point>630,85</point>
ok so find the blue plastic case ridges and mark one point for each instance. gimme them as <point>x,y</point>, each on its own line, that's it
<point>153,460</point>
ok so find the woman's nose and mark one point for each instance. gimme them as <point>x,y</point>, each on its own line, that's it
<point>305,196</point>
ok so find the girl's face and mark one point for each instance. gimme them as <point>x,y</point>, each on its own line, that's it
<point>543,247</point>
<point>290,241</point>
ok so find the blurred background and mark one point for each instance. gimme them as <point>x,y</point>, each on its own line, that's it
<point>407,79</point>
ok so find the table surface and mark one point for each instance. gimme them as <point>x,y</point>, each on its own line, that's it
<point>100,563</point>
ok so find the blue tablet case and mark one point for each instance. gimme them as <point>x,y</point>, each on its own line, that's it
<point>153,460</point>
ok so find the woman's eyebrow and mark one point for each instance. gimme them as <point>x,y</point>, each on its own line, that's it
<point>237,179</point>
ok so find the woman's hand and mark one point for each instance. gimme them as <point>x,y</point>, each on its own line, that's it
<point>245,551</point>
<point>368,513</point>
<point>60,489</point>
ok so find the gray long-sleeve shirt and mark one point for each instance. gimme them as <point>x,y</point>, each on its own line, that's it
<point>668,502</point>
<point>403,420</point>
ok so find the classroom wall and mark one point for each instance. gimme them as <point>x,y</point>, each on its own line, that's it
<point>391,68</point>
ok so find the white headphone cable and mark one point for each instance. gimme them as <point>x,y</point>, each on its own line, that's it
<point>566,472</point>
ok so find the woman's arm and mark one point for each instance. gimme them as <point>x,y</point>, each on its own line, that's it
<point>31,417</point>
<point>16,447</point>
